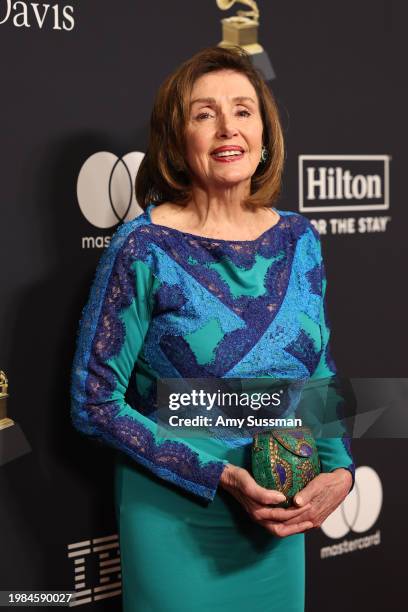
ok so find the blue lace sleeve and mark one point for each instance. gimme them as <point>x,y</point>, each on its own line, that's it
<point>111,332</point>
<point>334,452</point>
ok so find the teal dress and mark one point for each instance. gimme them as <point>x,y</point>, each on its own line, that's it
<point>168,304</point>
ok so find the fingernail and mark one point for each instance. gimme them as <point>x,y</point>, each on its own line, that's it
<point>299,500</point>
<point>281,496</point>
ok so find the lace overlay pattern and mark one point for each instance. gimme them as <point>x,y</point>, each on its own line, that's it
<point>167,304</point>
<point>94,380</point>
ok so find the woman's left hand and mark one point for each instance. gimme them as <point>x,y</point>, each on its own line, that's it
<point>325,492</point>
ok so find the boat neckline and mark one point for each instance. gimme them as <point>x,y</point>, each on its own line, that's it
<point>173,229</point>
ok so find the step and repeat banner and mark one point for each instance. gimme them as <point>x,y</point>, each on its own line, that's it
<point>78,79</point>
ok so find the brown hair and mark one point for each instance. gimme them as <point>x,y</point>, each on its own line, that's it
<point>163,173</point>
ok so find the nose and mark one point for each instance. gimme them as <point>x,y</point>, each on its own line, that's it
<point>226,127</point>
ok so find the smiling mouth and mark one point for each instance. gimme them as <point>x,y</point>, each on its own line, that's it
<point>228,155</point>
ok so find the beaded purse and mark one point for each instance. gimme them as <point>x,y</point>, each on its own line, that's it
<point>285,460</point>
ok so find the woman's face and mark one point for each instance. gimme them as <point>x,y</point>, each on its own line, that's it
<point>224,113</point>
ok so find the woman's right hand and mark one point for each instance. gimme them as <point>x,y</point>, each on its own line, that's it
<point>257,500</point>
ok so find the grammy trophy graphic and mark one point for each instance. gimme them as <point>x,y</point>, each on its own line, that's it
<point>242,30</point>
<point>13,443</point>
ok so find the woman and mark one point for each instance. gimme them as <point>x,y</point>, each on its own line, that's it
<point>210,281</point>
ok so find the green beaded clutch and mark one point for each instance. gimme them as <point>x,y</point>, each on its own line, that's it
<point>285,460</point>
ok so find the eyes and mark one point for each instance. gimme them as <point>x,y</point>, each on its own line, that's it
<point>206,114</point>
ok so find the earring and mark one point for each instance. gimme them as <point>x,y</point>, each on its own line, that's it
<point>264,154</point>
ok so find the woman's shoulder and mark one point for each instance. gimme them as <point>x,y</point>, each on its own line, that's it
<point>129,229</point>
<point>300,225</point>
<point>129,241</point>
<point>295,215</point>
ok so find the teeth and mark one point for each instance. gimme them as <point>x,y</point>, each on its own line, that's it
<point>226,153</point>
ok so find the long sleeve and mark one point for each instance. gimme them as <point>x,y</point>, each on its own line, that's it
<point>334,452</point>
<point>111,333</point>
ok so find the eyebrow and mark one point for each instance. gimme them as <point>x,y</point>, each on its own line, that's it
<point>213,100</point>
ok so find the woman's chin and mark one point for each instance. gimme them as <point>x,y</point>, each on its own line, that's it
<point>231,179</point>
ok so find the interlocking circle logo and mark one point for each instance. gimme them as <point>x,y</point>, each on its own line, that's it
<point>361,508</point>
<point>105,188</point>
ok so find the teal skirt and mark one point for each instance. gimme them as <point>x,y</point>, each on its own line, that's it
<point>181,554</point>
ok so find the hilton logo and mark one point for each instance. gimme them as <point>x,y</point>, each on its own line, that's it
<point>343,182</point>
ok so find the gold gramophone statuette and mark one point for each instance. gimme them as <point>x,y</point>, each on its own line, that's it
<point>241,29</point>
<point>4,420</point>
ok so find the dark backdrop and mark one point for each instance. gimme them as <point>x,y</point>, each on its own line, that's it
<point>68,93</point>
